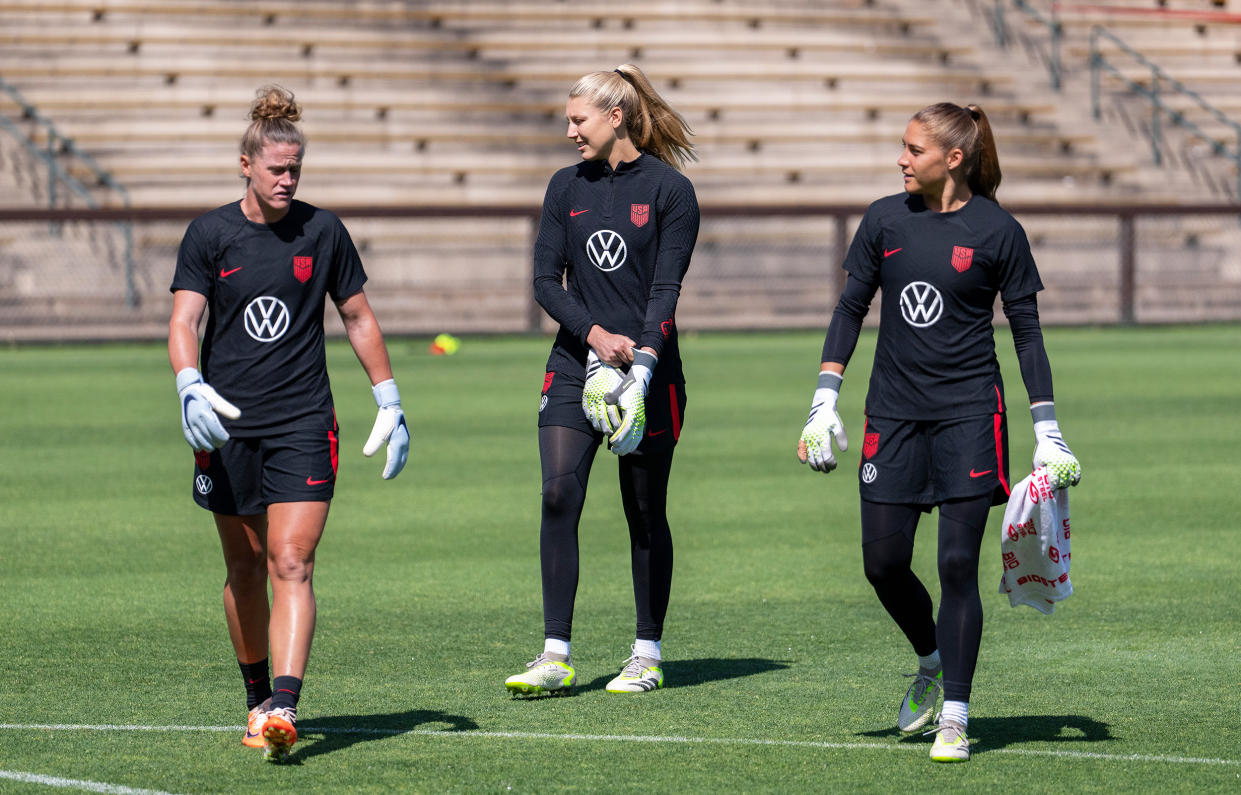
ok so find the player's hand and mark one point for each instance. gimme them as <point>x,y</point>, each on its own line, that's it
<point>199,406</point>
<point>612,349</point>
<point>600,380</point>
<point>1050,451</point>
<point>389,427</point>
<point>629,396</point>
<point>823,425</point>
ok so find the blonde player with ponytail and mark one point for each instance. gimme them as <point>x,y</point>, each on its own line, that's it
<point>936,433</point>
<point>618,228</point>
<point>265,444</point>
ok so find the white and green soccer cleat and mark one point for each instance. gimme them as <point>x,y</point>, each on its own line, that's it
<point>639,675</point>
<point>918,706</point>
<point>951,744</point>
<point>548,673</point>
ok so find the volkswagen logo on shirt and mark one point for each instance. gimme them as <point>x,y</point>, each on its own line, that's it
<point>203,484</point>
<point>606,250</point>
<point>921,304</point>
<point>267,318</point>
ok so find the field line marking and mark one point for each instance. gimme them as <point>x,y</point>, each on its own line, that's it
<point>74,783</point>
<point>310,728</point>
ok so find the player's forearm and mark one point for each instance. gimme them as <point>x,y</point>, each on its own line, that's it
<point>1032,358</point>
<point>846,325</point>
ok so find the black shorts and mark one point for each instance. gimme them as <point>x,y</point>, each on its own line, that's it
<point>246,475</point>
<point>929,462</point>
<point>561,404</point>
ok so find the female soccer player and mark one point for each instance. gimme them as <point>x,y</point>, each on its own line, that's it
<point>936,432</point>
<point>622,224</point>
<point>265,457</point>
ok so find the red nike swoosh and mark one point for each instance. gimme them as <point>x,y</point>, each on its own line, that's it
<point>656,433</point>
<point>576,213</point>
<point>310,482</point>
<point>974,474</point>
<point>887,253</point>
<point>226,274</point>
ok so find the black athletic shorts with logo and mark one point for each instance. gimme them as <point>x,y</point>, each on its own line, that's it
<point>561,404</point>
<point>247,474</point>
<point>928,462</point>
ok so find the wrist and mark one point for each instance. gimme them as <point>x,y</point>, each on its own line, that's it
<point>187,376</point>
<point>1043,411</point>
<point>386,394</point>
<point>643,365</point>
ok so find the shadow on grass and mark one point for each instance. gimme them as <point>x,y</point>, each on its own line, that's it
<point>996,733</point>
<point>341,731</point>
<point>690,673</point>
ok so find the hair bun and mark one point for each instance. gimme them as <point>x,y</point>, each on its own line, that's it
<point>274,102</point>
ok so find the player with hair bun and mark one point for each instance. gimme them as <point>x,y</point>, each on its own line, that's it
<point>936,432</point>
<point>266,442</point>
<point>618,228</point>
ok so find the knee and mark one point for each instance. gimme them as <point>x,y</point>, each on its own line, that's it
<point>562,496</point>
<point>957,569</point>
<point>246,572</point>
<point>289,565</point>
<point>882,570</point>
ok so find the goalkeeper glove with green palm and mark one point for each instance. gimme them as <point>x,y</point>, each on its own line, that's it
<point>629,396</point>
<point>600,380</point>
<point>824,424</point>
<point>1050,450</point>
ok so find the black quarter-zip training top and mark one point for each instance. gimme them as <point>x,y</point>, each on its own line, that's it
<point>621,239</point>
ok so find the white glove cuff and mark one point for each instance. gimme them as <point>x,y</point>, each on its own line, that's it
<point>386,394</point>
<point>188,377</point>
<point>1045,428</point>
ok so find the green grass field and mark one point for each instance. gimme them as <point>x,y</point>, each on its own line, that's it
<point>783,671</point>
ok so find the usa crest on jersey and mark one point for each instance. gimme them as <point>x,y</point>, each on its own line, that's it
<point>639,214</point>
<point>961,258</point>
<point>302,267</point>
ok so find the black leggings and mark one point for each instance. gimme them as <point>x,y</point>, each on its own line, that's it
<point>887,550</point>
<point>566,455</point>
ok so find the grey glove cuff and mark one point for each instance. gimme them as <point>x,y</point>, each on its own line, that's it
<point>1043,412</point>
<point>187,377</point>
<point>830,381</point>
<point>645,359</point>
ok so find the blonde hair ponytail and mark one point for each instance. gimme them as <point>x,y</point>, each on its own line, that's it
<point>273,116</point>
<point>650,121</point>
<point>968,129</point>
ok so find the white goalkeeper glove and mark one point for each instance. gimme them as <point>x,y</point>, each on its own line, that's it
<point>629,396</point>
<point>1050,451</point>
<point>389,427</point>
<point>600,380</point>
<point>199,406</point>
<point>824,424</point>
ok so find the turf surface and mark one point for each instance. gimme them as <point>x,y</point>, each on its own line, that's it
<point>783,671</point>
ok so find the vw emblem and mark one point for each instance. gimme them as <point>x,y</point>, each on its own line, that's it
<point>921,304</point>
<point>606,250</point>
<point>869,473</point>
<point>267,318</point>
<point>203,484</point>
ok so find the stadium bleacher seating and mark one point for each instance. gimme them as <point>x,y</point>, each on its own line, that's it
<point>461,104</point>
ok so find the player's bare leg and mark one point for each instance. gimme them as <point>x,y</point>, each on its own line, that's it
<point>293,533</point>
<point>242,539</point>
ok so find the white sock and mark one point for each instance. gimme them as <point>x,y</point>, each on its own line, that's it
<point>930,662</point>
<point>647,648</point>
<point>957,712</point>
<point>556,646</point>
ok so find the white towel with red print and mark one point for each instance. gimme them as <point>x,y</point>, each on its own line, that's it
<point>1034,544</point>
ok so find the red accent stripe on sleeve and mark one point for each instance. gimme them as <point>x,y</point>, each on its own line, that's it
<point>676,411</point>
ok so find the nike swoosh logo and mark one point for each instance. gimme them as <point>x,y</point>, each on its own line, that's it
<point>887,253</point>
<point>227,273</point>
<point>974,474</point>
<point>310,482</point>
<point>656,433</point>
<point>576,213</point>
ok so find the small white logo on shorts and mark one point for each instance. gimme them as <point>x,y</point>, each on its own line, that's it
<point>869,473</point>
<point>202,484</point>
<point>542,403</point>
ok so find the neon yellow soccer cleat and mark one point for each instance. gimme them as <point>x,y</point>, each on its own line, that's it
<point>951,744</point>
<point>918,706</point>
<point>547,674</point>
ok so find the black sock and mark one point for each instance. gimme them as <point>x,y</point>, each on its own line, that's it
<point>287,690</point>
<point>258,685</point>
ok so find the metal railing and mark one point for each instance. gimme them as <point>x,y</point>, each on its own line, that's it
<point>56,146</point>
<point>1055,33</point>
<point>1160,83</point>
